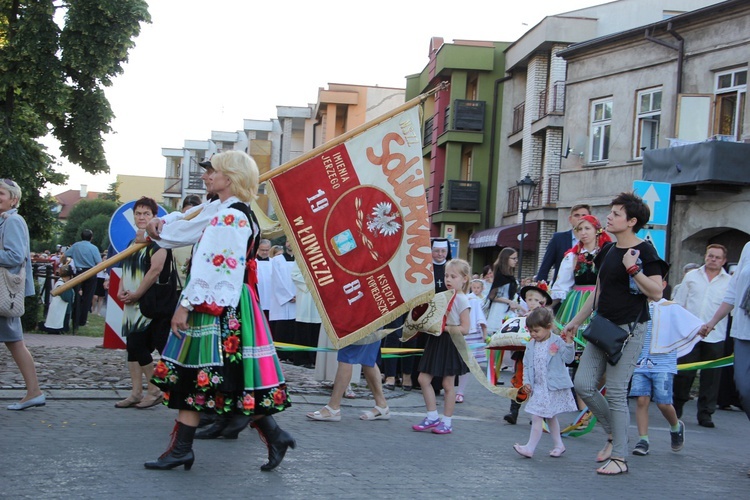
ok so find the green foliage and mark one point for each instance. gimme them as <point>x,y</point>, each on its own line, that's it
<point>52,80</point>
<point>88,212</point>
<point>99,224</point>
<point>111,193</point>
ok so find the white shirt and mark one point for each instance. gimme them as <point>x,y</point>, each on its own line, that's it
<point>702,297</point>
<point>565,277</point>
<point>178,232</point>
<point>307,311</point>
<point>283,290</point>
<point>736,290</point>
<point>265,270</point>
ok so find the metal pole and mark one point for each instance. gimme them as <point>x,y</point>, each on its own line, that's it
<point>520,251</point>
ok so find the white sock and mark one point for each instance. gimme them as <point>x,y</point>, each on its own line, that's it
<point>432,415</point>
<point>447,421</point>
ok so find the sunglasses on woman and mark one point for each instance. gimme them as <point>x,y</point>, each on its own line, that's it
<point>8,182</point>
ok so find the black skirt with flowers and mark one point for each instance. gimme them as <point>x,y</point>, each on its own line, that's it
<point>224,364</point>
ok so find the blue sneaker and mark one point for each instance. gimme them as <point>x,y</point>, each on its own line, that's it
<point>426,424</point>
<point>442,429</point>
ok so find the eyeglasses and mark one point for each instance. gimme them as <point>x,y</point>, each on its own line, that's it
<point>9,182</point>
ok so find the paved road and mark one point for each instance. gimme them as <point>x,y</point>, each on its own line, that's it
<point>85,448</point>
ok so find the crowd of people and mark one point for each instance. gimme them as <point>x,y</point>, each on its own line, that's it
<point>259,299</point>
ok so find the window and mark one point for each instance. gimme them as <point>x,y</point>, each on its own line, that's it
<point>731,92</point>
<point>601,123</point>
<point>648,121</point>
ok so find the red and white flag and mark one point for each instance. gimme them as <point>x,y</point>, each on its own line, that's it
<point>357,217</point>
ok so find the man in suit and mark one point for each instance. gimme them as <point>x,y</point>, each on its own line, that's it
<point>560,243</point>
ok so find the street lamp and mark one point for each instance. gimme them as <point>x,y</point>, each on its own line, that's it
<point>525,192</point>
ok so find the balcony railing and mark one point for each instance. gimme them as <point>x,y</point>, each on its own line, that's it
<point>514,198</point>
<point>555,105</point>
<point>196,172</point>
<point>518,113</point>
<point>429,125</point>
<point>463,195</point>
<point>468,115</point>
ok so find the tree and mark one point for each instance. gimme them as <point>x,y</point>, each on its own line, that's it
<point>86,212</point>
<point>111,193</point>
<point>52,80</point>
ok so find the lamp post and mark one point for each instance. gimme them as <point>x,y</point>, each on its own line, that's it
<point>525,192</point>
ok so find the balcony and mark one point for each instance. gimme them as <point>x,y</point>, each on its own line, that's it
<point>468,115</point>
<point>196,172</point>
<point>545,193</point>
<point>429,125</point>
<point>462,196</point>
<point>518,113</point>
<point>553,104</point>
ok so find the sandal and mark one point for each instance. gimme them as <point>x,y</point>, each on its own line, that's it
<point>459,398</point>
<point>622,467</point>
<point>327,414</point>
<point>557,451</point>
<point>129,401</point>
<point>605,452</point>
<point>390,387</point>
<point>382,414</point>
<point>149,401</point>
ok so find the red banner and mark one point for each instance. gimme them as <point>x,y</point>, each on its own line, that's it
<point>357,217</point>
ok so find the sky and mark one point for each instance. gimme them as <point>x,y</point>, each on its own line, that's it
<point>208,65</point>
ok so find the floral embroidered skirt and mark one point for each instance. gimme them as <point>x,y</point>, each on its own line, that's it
<point>573,303</point>
<point>223,364</point>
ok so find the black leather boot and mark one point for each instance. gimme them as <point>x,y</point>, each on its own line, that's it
<point>180,451</point>
<point>277,440</point>
<point>512,417</point>
<point>216,429</point>
<point>237,423</point>
<point>206,419</point>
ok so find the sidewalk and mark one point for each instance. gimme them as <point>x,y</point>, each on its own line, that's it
<point>72,367</point>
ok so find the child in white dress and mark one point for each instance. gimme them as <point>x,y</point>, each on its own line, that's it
<point>547,381</point>
<point>477,333</point>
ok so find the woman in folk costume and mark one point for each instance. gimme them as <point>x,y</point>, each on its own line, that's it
<point>576,278</point>
<point>220,356</point>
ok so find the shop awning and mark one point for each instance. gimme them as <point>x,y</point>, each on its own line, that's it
<point>507,236</point>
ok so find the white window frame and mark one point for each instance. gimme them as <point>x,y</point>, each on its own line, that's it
<point>600,130</point>
<point>647,120</point>
<point>736,89</point>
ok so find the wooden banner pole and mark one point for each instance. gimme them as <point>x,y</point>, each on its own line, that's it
<point>263,178</point>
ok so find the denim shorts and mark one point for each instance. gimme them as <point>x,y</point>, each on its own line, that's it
<point>656,385</point>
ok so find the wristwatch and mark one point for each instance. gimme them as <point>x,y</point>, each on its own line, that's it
<point>186,304</point>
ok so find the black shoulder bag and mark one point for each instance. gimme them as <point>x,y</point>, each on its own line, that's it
<point>160,300</point>
<point>608,336</point>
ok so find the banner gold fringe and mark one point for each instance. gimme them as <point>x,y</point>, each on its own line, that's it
<point>463,349</point>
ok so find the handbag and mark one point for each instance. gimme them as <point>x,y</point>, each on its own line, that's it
<point>608,336</point>
<point>12,289</point>
<point>160,300</point>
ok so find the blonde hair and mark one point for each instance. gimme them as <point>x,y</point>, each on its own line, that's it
<point>14,190</point>
<point>463,269</point>
<point>242,172</point>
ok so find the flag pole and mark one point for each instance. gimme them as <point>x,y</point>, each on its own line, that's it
<point>263,178</point>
